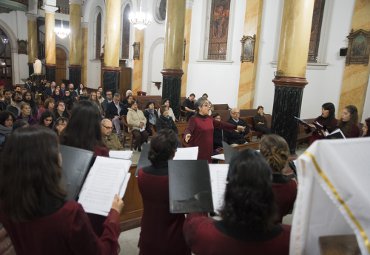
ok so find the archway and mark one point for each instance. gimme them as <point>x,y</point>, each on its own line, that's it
<point>61,63</point>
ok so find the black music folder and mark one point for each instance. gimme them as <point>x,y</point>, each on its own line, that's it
<point>189,186</point>
<point>229,152</point>
<point>75,164</point>
<point>143,159</point>
<point>336,134</point>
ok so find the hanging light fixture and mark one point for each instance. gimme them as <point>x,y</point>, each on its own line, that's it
<point>61,31</point>
<point>140,19</point>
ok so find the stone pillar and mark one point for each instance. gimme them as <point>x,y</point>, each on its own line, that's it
<point>50,47</point>
<point>356,76</point>
<point>112,44</point>
<point>32,41</point>
<point>84,52</point>
<point>188,14</point>
<point>75,42</point>
<point>290,78</point>
<point>248,70</point>
<point>173,53</point>
<point>137,79</point>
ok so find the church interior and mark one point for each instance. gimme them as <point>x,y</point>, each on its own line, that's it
<point>294,59</point>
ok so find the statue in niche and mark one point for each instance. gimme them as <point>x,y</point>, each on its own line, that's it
<point>37,67</point>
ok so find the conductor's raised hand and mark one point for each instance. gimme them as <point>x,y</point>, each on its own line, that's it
<point>117,203</point>
<point>187,137</point>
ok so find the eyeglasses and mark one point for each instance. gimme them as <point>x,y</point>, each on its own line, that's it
<point>235,112</point>
<point>108,127</point>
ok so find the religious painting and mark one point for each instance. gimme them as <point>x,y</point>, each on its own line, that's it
<point>160,10</point>
<point>218,29</point>
<point>318,11</point>
<point>136,46</point>
<point>358,47</point>
<point>22,47</point>
<point>248,43</point>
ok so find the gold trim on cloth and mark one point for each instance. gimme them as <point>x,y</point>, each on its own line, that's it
<point>340,200</point>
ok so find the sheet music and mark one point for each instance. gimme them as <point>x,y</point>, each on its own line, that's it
<point>218,174</point>
<point>188,153</point>
<point>120,154</point>
<point>218,157</point>
<point>106,178</point>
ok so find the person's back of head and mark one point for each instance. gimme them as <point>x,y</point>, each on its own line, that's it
<point>163,147</point>
<point>28,181</point>
<point>275,150</point>
<point>83,129</point>
<point>249,200</point>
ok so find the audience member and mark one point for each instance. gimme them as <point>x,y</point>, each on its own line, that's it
<point>47,119</point>
<point>108,99</point>
<point>137,123</point>
<point>236,137</point>
<point>49,105</point>
<point>26,114</point>
<point>165,121</point>
<point>37,223</point>
<point>7,99</point>
<point>365,128</point>
<point>217,136</point>
<point>27,98</point>
<point>161,231</point>
<point>247,224</point>
<point>60,110</point>
<point>20,124</point>
<point>15,106</point>
<point>94,98</point>
<point>100,97</point>
<point>115,111</point>
<point>57,95</point>
<point>189,106</point>
<point>260,122</point>
<point>110,139</point>
<point>276,151</point>
<point>73,92</point>
<point>151,116</point>
<point>349,122</point>
<point>68,100</point>
<point>200,130</point>
<point>80,89</point>
<point>50,88</point>
<point>166,104</point>
<point>6,125</point>
<point>60,125</point>
<point>126,100</point>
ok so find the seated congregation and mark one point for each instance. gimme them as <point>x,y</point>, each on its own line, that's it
<point>261,188</point>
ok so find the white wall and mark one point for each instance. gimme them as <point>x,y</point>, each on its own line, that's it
<point>15,26</point>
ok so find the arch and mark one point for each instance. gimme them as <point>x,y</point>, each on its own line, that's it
<point>98,11</point>
<point>152,50</point>
<point>11,35</point>
<point>125,30</point>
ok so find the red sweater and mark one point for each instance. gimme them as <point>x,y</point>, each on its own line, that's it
<point>161,232</point>
<point>285,192</point>
<point>66,231</point>
<point>205,238</point>
<point>201,130</point>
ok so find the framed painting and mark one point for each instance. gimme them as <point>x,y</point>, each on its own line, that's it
<point>248,43</point>
<point>136,46</point>
<point>358,47</point>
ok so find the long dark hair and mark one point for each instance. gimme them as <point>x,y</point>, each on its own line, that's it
<point>4,116</point>
<point>346,126</point>
<point>249,199</point>
<point>83,129</point>
<point>162,147</point>
<point>25,178</point>
<point>44,115</point>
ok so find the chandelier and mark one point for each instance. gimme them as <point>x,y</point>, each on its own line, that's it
<point>140,20</point>
<point>61,31</point>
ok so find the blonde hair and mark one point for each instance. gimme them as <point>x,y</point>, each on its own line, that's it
<point>276,151</point>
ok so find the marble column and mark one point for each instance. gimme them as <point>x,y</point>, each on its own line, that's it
<point>185,63</point>
<point>173,53</point>
<point>50,48</point>
<point>137,77</point>
<point>356,76</point>
<point>111,70</point>
<point>32,41</point>
<point>84,52</point>
<point>290,78</point>
<point>248,70</point>
<point>75,42</point>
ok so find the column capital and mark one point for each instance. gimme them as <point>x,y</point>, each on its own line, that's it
<point>31,16</point>
<point>75,2</point>
<point>49,8</point>
<point>189,4</point>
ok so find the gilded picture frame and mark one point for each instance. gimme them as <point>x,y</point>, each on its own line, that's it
<point>136,46</point>
<point>248,43</point>
<point>358,47</point>
<point>22,47</point>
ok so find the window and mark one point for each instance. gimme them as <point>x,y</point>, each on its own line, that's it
<point>98,36</point>
<point>317,16</point>
<point>218,29</point>
<point>126,33</point>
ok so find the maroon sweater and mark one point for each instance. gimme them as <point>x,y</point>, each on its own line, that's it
<point>208,237</point>
<point>161,232</point>
<point>201,129</point>
<point>66,231</point>
<point>285,192</point>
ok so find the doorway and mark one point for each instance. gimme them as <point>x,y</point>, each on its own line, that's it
<point>61,65</point>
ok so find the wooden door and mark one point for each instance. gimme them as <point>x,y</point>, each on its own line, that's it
<point>125,79</point>
<point>61,68</point>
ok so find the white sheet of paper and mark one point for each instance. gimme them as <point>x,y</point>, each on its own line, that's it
<point>188,153</point>
<point>105,179</point>
<point>120,154</point>
<point>218,174</point>
<point>122,189</point>
<point>218,157</point>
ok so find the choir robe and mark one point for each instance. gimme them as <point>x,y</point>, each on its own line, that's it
<point>161,232</point>
<point>66,231</point>
<point>201,129</point>
<point>206,236</point>
<point>285,192</point>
